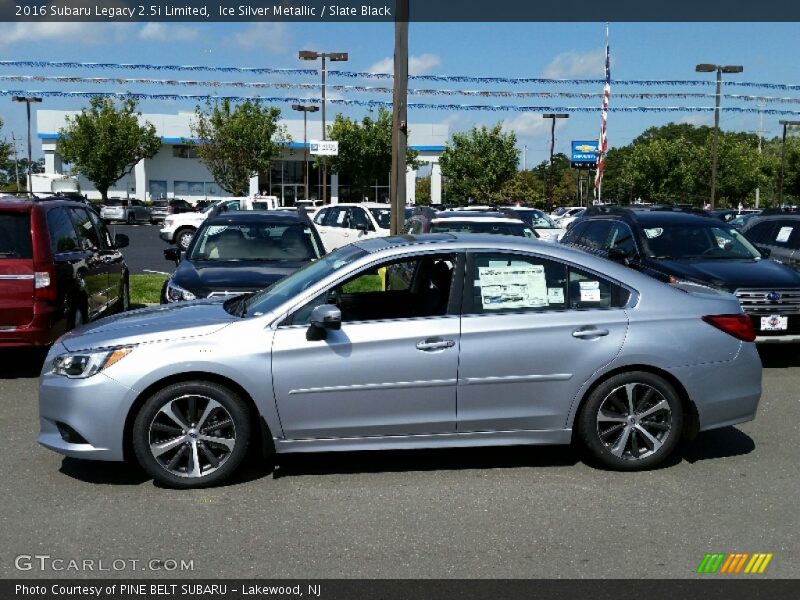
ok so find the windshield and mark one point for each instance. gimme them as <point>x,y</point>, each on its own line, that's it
<point>382,216</point>
<point>116,202</point>
<point>255,241</point>
<point>160,203</point>
<point>697,241</point>
<point>453,226</point>
<point>270,298</point>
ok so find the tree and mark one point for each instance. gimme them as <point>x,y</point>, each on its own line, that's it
<point>665,170</point>
<point>479,162</point>
<point>104,143</point>
<point>5,148</point>
<point>365,150</point>
<point>525,187</point>
<point>235,144</point>
<point>423,191</point>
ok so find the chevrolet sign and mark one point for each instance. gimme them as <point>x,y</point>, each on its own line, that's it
<point>584,153</point>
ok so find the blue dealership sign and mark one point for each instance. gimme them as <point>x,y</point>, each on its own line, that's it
<point>584,154</point>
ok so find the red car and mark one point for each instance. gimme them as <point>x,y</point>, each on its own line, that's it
<point>59,267</point>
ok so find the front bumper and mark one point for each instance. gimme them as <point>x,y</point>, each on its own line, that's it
<point>95,408</point>
<point>166,236</point>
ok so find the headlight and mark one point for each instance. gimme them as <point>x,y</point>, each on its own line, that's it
<point>83,364</point>
<point>176,293</point>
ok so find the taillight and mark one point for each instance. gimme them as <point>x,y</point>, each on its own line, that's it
<point>739,326</point>
<point>44,280</point>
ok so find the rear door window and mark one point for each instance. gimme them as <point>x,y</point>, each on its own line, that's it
<point>761,232</point>
<point>15,235</point>
<point>595,237</point>
<point>63,237</point>
<point>622,238</point>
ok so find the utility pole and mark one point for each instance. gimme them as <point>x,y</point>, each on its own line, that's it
<point>399,118</point>
<point>16,159</point>
<point>552,116</point>
<point>525,157</point>
<point>305,109</point>
<point>27,100</point>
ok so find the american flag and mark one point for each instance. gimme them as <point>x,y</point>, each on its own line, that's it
<point>603,145</point>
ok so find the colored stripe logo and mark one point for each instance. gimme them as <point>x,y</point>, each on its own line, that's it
<point>734,563</point>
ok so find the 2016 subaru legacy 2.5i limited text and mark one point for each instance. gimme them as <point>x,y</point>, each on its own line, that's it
<point>431,341</point>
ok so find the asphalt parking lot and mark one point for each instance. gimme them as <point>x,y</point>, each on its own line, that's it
<point>513,512</point>
<point>145,253</point>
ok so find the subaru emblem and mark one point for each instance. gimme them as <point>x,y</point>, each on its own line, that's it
<point>774,296</point>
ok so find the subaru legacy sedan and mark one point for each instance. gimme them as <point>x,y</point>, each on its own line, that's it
<point>430,341</point>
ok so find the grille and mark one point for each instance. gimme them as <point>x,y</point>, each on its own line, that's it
<point>757,302</point>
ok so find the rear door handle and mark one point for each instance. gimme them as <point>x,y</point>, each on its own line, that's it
<point>428,345</point>
<point>589,332</point>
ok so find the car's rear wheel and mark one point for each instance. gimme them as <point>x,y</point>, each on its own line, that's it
<point>631,421</point>
<point>131,218</point>
<point>192,434</point>
<point>183,238</point>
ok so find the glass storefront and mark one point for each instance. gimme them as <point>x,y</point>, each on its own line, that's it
<point>286,179</point>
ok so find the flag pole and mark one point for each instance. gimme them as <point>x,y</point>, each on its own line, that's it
<point>603,142</point>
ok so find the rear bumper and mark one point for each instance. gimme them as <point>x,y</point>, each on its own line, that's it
<point>47,325</point>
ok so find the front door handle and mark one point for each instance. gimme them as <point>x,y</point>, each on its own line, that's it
<point>428,345</point>
<point>589,332</point>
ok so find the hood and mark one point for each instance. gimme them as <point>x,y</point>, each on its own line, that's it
<point>153,324</point>
<point>203,277</point>
<point>731,275</point>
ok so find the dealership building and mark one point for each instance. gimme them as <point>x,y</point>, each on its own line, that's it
<point>176,172</point>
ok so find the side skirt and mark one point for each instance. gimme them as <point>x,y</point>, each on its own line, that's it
<point>438,440</point>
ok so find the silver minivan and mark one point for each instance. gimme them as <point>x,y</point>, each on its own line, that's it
<point>431,341</point>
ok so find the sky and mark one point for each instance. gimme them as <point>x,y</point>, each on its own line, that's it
<point>663,51</point>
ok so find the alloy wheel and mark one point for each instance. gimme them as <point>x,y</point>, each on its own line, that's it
<point>634,421</point>
<point>192,436</point>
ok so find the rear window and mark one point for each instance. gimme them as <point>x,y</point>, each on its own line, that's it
<point>15,235</point>
<point>116,202</point>
<point>160,203</point>
<point>453,226</point>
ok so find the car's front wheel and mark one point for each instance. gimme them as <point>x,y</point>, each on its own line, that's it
<point>631,421</point>
<point>192,434</point>
<point>183,238</point>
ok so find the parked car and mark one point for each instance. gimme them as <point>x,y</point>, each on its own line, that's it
<point>127,210</point>
<point>179,229</point>
<point>241,252</point>
<point>538,220</point>
<point>568,217</point>
<point>59,267</point>
<point>427,220</point>
<point>367,348</point>
<point>743,219</point>
<point>343,223</point>
<point>677,246</point>
<point>776,234</point>
<point>163,207</point>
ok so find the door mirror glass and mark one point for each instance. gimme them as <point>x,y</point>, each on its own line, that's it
<point>618,255</point>
<point>121,241</point>
<point>362,227</point>
<point>765,252</point>
<point>326,316</point>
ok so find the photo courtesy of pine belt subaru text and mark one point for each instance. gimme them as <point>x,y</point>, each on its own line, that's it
<point>430,341</point>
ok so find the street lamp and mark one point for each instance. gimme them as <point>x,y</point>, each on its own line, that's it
<point>552,116</point>
<point>27,100</point>
<point>305,109</point>
<point>720,69</point>
<point>335,57</point>
<point>783,156</point>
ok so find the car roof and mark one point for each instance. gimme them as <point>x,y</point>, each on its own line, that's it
<point>477,216</point>
<point>255,216</point>
<point>655,217</point>
<point>788,216</point>
<point>362,204</point>
<point>19,204</point>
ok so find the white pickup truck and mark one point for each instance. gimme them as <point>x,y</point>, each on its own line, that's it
<point>179,229</point>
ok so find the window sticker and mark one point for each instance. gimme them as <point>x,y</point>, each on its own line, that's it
<point>590,291</point>
<point>555,295</point>
<point>653,232</point>
<point>783,234</point>
<point>517,286</point>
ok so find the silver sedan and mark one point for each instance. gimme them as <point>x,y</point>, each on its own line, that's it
<point>435,341</point>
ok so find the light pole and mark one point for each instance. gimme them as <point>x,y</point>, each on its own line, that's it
<point>552,116</point>
<point>783,156</point>
<point>399,119</point>
<point>720,69</point>
<point>27,100</point>
<point>305,109</point>
<point>335,57</point>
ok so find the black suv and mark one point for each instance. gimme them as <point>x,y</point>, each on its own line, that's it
<point>777,233</point>
<point>679,246</point>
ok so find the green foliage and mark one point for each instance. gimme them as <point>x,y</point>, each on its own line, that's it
<point>423,191</point>
<point>5,147</point>
<point>104,142</point>
<point>236,143</point>
<point>365,150</point>
<point>478,163</point>
<point>526,188</point>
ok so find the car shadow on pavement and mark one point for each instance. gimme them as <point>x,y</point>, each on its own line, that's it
<point>779,356</point>
<point>103,472</point>
<point>717,443</point>
<point>449,459</point>
<point>24,363</point>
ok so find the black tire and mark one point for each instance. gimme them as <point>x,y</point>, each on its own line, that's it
<point>125,296</point>
<point>651,438</point>
<point>183,237</point>
<point>131,218</point>
<point>78,315</point>
<point>235,410</point>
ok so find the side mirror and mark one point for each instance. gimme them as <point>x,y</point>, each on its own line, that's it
<point>323,318</point>
<point>173,254</point>
<point>618,255</point>
<point>121,241</point>
<point>363,227</point>
<point>765,252</point>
